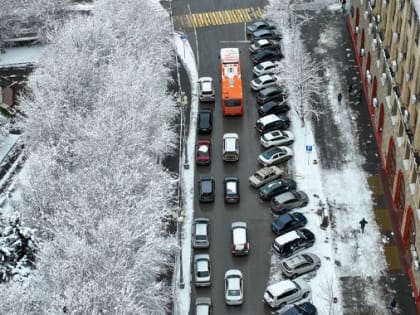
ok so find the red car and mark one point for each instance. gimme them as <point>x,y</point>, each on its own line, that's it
<point>203,152</point>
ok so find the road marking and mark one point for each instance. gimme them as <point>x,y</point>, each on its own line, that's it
<point>215,18</point>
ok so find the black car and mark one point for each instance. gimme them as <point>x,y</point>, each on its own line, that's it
<point>206,188</point>
<point>288,222</point>
<point>231,189</point>
<point>205,121</point>
<point>267,55</point>
<point>291,242</point>
<point>272,93</point>
<point>276,187</point>
<point>266,34</point>
<point>305,308</point>
<point>259,25</point>
<point>273,107</point>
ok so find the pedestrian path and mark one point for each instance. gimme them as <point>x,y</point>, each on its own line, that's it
<point>214,18</point>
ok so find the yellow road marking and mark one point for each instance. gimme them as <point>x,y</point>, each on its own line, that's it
<point>212,18</point>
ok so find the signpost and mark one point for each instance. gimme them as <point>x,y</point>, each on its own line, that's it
<point>308,150</point>
<point>184,37</point>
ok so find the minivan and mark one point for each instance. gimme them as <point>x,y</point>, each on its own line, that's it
<point>230,147</point>
<point>272,122</point>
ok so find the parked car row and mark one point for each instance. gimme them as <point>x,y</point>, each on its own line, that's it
<point>291,236</point>
<point>201,240</point>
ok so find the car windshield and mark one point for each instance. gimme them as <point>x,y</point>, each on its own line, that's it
<point>257,81</point>
<point>234,292</point>
<point>269,153</point>
<point>201,237</point>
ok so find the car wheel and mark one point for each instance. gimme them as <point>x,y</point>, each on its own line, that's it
<point>317,268</point>
<point>305,295</point>
<point>282,305</point>
<point>294,276</point>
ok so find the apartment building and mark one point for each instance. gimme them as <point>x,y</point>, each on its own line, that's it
<point>385,35</point>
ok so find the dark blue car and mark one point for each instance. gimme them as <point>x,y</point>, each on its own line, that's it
<point>302,309</point>
<point>288,222</point>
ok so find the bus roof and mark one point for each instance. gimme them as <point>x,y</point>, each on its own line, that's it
<point>229,55</point>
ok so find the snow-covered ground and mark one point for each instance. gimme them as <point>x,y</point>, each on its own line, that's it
<point>20,56</point>
<point>344,193</point>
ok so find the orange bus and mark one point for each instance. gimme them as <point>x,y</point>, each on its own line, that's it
<point>232,98</point>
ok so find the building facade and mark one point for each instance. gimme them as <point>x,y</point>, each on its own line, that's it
<point>385,36</point>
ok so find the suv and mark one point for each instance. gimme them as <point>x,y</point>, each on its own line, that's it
<point>273,107</point>
<point>287,244</point>
<point>276,187</point>
<point>201,233</point>
<point>272,122</point>
<point>240,245</point>
<point>272,93</point>
<point>230,147</point>
<point>205,121</point>
<point>231,189</point>
<point>289,200</point>
<point>206,89</point>
<point>300,264</point>
<point>206,189</point>
<point>265,175</point>
<point>284,292</point>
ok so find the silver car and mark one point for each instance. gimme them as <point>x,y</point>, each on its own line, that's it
<point>203,306</point>
<point>300,264</point>
<point>200,233</point>
<point>202,270</point>
<point>206,89</point>
<point>234,287</point>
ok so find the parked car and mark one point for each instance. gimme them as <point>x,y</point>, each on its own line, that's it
<point>203,152</point>
<point>206,189</point>
<point>200,233</point>
<point>272,93</point>
<point>275,155</point>
<point>276,187</point>
<point>203,306</point>
<point>289,200</point>
<point>265,34</point>
<point>272,122</point>
<point>240,244</point>
<point>266,67</point>
<point>259,25</point>
<point>291,242</point>
<point>234,287</point>
<point>205,121</point>
<point>273,107</point>
<point>263,82</point>
<point>305,308</point>
<point>206,89</point>
<point>262,44</point>
<point>300,264</point>
<point>202,270</point>
<point>230,148</point>
<point>231,189</point>
<point>265,175</point>
<point>285,292</point>
<point>288,222</point>
<point>277,137</point>
<point>267,55</point>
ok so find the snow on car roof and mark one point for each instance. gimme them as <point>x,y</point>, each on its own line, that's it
<point>279,288</point>
<point>203,148</point>
<point>288,237</point>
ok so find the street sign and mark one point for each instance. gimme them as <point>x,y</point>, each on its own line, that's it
<point>184,36</point>
<point>309,148</point>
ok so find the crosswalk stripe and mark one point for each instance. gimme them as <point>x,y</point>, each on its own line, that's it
<point>222,17</point>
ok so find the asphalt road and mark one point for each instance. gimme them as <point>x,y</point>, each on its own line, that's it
<point>255,266</point>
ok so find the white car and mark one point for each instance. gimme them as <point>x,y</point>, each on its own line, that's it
<point>240,244</point>
<point>202,270</point>
<point>266,67</point>
<point>206,89</point>
<point>277,137</point>
<point>284,292</point>
<point>275,155</point>
<point>263,81</point>
<point>234,287</point>
<point>201,233</point>
<point>263,44</point>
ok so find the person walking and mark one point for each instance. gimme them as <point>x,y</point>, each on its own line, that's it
<point>363,223</point>
<point>351,85</point>
<point>393,305</point>
<point>340,96</point>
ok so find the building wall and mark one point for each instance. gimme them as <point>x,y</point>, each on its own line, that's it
<point>385,35</point>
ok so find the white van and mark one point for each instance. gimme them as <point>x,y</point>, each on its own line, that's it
<point>231,147</point>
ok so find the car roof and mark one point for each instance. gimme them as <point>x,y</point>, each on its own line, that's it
<point>201,228</point>
<point>297,260</point>
<point>281,198</point>
<point>268,119</point>
<point>280,287</point>
<point>286,238</point>
<point>261,32</point>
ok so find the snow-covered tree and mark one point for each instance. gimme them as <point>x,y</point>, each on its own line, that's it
<point>300,73</point>
<point>99,115</point>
